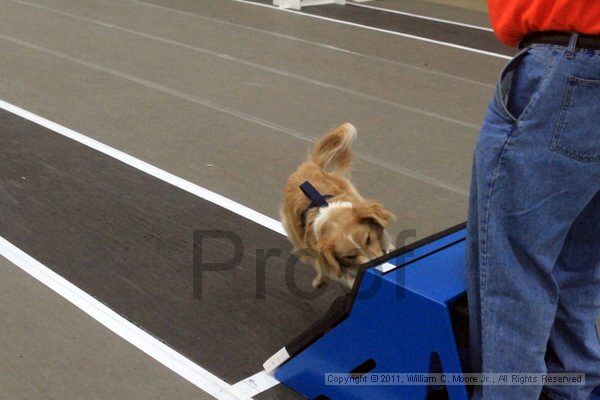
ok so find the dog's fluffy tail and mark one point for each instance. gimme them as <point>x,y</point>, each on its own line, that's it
<point>334,150</point>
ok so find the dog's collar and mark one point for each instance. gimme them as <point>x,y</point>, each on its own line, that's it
<point>317,200</point>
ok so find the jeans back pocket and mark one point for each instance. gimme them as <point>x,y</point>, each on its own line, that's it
<point>577,134</point>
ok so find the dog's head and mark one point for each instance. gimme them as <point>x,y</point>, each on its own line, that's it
<point>348,235</point>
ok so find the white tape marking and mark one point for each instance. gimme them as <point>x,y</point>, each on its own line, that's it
<point>256,384</point>
<point>276,360</point>
<point>143,166</point>
<point>162,353</point>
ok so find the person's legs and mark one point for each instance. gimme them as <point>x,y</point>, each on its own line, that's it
<point>473,289</point>
<point>529,185</point>
<point>574,344</point>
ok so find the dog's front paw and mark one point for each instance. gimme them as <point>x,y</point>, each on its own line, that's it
<point>318,282</point>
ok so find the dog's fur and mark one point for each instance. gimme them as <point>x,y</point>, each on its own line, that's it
<point>351,230</point>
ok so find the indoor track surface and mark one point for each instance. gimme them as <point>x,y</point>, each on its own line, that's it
<point>138,135</point>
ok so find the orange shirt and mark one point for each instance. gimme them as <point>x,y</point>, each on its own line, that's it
<point>514,19</point>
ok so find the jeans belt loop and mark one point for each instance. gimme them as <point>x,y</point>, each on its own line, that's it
<point>572,45</point>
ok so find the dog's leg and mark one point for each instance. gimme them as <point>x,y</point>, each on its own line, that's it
<point>319,280</point>
<point>386,243</point>
<point>349,281</point>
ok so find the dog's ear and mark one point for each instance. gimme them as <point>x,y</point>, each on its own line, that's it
<point>329,262</point>
<point>371,211</point>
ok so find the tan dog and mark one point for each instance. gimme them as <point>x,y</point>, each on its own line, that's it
<point>347,230</point>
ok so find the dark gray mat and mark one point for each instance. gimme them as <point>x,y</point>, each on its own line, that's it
<point>126,238</point>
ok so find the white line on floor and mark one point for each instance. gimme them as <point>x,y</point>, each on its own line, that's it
<point>153,347</point>
<point>142,340</point>
<point>256,384</point>
<point>404,35</point>
<point>156,172</point>
<point>418,16</point>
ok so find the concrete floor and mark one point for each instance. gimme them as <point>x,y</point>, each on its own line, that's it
<point>49,349</point>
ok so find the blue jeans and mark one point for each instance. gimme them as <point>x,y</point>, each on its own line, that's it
<point>533,251</point>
